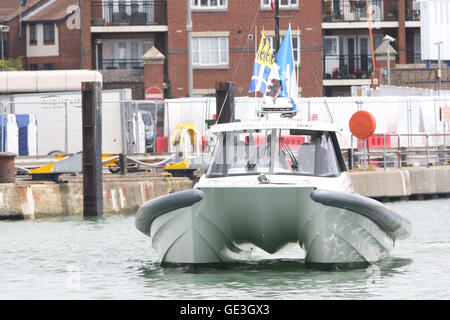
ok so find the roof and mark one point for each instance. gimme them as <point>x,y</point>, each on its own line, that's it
<point>52,10</point>
<point>10,9</point>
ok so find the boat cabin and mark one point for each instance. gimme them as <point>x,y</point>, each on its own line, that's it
<point>285,147</point>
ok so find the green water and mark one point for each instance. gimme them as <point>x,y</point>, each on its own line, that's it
<point>109,259</point>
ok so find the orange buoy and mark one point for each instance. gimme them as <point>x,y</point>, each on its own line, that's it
<point>362,124</point>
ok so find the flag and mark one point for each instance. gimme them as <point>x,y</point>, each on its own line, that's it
<point>285,61</point>
<point>262,66</point>
<point>271,5</point>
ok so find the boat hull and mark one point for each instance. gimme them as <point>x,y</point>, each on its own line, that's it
<point>229,222</point>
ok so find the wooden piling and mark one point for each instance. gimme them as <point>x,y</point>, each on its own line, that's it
<point>92,149</point>
<point>224,102</point>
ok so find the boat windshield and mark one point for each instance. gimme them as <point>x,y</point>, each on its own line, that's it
<point>274,151</point>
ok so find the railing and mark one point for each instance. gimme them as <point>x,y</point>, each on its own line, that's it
<point>355,10</point>
<point>119,13</point>
<point>412,10</point>
<point>122,64</point>
<point>347,66</point>
<point>389,152</point>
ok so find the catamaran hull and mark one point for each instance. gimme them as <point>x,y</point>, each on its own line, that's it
<point>227,222</point>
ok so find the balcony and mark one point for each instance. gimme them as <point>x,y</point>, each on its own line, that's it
<point>342,67</point>
<point>111,64</point>
<point>355,10</point>
<point>412,10</point>
<point>121,13</point>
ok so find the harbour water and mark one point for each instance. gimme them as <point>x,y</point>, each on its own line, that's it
<point>107,258</point>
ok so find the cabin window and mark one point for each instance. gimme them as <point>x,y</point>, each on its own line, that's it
<point>210,51</point>
<point>274,151</point>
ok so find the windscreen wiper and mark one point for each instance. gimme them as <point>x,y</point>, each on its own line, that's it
<point>284,147</point>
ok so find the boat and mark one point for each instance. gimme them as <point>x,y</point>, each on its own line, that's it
<point>272,182</point>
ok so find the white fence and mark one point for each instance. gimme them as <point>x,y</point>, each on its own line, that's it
<point>394,114</point>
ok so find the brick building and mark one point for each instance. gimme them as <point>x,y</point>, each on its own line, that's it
<point>224,36</point>
<point>347,53</point>
<point>45,33</point>
<point>330,37</point>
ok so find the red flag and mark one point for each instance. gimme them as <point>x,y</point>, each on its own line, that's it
<point>271,5</point>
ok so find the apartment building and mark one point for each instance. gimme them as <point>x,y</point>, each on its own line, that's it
<point>347,51</point>
<point>45,33</point>
<point>225,35</point>
<point>332,47</point>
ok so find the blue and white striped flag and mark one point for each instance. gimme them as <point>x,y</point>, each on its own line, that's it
<point>262,66</point>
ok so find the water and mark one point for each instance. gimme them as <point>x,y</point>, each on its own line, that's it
<point>109,259</point>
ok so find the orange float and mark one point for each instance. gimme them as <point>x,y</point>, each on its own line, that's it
<point>362,124</point>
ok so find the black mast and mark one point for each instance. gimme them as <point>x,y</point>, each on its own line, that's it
<point>276,45</point>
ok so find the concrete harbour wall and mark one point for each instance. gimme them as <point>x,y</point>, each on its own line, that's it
<point>124,195</point>
<point>405,182</point>
<point>49,199</point>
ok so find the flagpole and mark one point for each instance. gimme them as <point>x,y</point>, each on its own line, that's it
<point>277,27</point>
<point>256,46</point>
<point>370,35</point>
<point>298,56</point>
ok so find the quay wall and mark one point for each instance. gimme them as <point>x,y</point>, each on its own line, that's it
<point>32,200</point>
<point>49,199</point>
<point>403,183</point>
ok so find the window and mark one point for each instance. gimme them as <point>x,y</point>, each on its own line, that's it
<point>209,4</point>
<point>34,66</point>
<point>49,32</point>
<point>210,51</point>
<point>124,53</point>
<point>283,4</point>
<point>33,36</point>
<point>49,66</point>
<point>296,152</point>
<point>295,46</point>
<point>128,12</point>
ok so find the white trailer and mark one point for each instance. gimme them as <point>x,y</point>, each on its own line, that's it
<point>58,116</point>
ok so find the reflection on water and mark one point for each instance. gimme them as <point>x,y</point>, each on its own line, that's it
<point>107,258</point>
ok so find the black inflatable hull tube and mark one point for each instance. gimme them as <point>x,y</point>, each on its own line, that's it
<point>396,226</point>
<point>154,208</point>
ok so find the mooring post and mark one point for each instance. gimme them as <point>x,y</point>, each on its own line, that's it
<point>123,163</point>
<point>92,149</point>
<point>224,102</point>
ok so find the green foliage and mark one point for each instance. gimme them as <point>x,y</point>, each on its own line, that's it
<point>13,64</point>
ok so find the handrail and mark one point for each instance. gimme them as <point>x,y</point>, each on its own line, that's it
<point>435,154</point>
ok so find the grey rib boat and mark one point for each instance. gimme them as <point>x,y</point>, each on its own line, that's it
<point>269,184</point>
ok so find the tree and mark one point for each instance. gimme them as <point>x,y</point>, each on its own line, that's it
<point>13,64</point>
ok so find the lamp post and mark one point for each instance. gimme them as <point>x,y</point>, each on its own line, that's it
<point>3,29</point>
<point>439,66</point>
<point>97,43</point>
<point>189,47</point>
<point>388,40</point>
